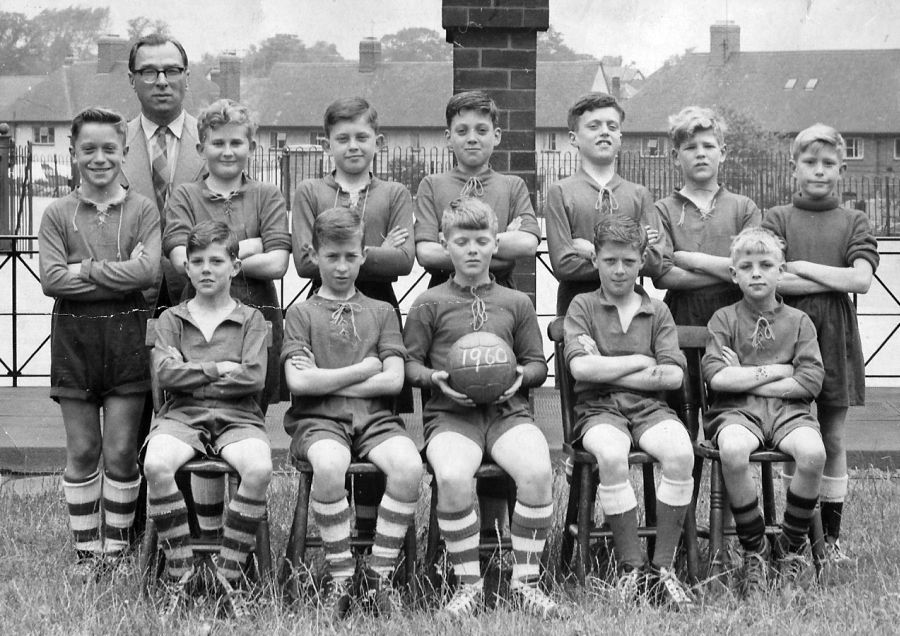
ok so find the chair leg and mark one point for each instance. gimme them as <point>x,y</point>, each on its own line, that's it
<point>689,536</point>
<point>568,542</point>
<point>817,540</point>
<point>296,546</point>
<point>585,518</point>
<point>433,540</point>
<point>264,550</point>
<point>716,509</point>
<point>768,491</point>
<point>649,505</point>
<point>148,557</point>
<point>409,559</point>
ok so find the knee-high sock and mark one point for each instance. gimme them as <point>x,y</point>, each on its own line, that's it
<point>528,532</point>
<point>832,493</point>
<point>241,521</point>
<point>620,508</point>
<point>394,517</point>
<point>209,501</point>
<point>169,513</point>
<point>672,501</point>
<point>83,501</point>
<point>333,520</point>
<point>750,526</point>
<point>797,515</point>
<point>460,531</point>
<point>119,504</point>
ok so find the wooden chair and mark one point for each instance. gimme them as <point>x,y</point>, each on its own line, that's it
<point>300,539</point>
<point>579,527</point>
<point>151,559</point>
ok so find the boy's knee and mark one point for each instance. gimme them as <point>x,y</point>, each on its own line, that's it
<point>157,470</point>
<point>408,473</point>
<point>679,463</point>
<point>833,439</point>
<point>330,470</point>
<point>258,476</point>
<point>454,488</point>
<point>810,459</point>
<point>733,455</point>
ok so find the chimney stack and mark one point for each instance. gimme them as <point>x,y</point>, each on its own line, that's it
<point>111,49</point>
<point>369,55</point>
<point>616,87</point>
<point>228,76</point>
<point>724,42</point>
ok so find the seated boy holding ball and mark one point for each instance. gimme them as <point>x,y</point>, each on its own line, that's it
<point>622,350</point>
<point>343,363</point>
<point>459,431</point>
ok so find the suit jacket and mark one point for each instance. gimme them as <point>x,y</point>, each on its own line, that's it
<point>137,176</point>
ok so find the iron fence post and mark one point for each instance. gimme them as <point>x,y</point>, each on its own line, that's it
<point>6,188</point>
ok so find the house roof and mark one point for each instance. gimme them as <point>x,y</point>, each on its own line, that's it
<point>71,88</point>
<point>12,87</point>
<point>856,91</point>
<point>406,94</point>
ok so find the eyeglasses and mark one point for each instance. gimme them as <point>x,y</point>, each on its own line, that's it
<point>149,75</point>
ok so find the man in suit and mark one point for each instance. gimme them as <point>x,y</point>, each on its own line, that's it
<point>161,141</point>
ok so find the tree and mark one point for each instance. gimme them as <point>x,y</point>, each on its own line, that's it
<point>415,44</point>
<point>142,25</point>
<point>286,47</point>
<point>41,44</point>
<point>551,46</point>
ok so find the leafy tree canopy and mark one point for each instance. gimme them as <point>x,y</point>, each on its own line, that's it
<point>551,46</point>
<point>142,25</point>
<point>415,44</point>
<point>40,44</point>
<point>286,47</point>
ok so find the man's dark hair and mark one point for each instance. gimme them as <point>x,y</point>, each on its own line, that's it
<point>154,39</point>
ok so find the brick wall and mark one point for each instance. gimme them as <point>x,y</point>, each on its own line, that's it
<point>494,49</point>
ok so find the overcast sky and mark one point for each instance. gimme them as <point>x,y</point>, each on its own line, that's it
<point>644,31</point>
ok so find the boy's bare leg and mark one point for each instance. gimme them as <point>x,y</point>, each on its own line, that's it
<point>523,453</point>
<point>252,459</point>
<point>330,460</point>
<point>670,444</point>
<point>610,446</point>
<point>398,458</point>
<point>454,459</point>
<point>81,480</point>
<point>164,456</point>
<point>735,444</point>
<point>806,447</point>
<point>121,479</point>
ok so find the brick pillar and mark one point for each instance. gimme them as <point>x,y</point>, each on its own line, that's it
<point>494,50</point>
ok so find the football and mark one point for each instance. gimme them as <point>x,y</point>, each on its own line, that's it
<point>482,366</point>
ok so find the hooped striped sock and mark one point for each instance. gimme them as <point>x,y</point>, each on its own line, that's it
<point>797,515</point>
<point>239,538</point>
<point>119,504</point>
<point>460,531</point>
<point>333,520</point>
<point>208,492</point>
<point>750,526</point>
<point>83,502</point>
<point>170,515</point>
<point>528,533</point>
<point>394,517</point>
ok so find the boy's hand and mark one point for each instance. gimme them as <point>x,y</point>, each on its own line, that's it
<point>652,235</point>
<point>442,380</point>
<point>303,361</point>
<point>250,247</point>
<point>517,383</point>
<point>137,252</point>
<point>396,237</point>
<point>590,346</point>
<point>730,357</point>
<point>515,225</point>
<point>227,366</point>
<point>583,248</point>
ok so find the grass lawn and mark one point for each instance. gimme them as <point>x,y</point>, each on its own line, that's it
<point>38,597</point>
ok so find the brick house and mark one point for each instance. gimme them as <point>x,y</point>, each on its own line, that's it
<point>785,91</point>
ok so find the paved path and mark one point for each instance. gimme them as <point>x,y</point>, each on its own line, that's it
<point>32,439</point>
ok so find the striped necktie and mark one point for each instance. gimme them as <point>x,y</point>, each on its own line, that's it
<point>160,166</point>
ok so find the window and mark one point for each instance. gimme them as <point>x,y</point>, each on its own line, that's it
<point>277,139</point>
<point>551,141</point>
<point>314,137</point>
<point>43,134</point>
<point>811,84</point>
<point>653,146</point>
<point>791,83</point>
<point>414,140</point>
<point>854,147</point>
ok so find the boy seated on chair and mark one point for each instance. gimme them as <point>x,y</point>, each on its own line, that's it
<point>459,433</point>
<point>622,351</point>
<point>210,358</point>
<point>763,362</point>
<point>343,359</point>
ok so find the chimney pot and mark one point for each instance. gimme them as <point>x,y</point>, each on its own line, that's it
<point>724,42</point>
<point>616,87</point>
<point>228,76</point>
<point>111,49</point>
<point>369,55</point>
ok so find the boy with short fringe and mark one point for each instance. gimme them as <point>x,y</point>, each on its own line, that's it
<point>762,360</point>
<point>622,351</point>
<point>344,359</point>
<point>100,249</point>
<point>459,433</point>
<point>575,204</point>
<point>352,138</point>
<point>699,221</point>
<point>210,357</point>
<point>473,131</point>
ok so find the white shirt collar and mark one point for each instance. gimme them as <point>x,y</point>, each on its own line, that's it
<point>176,126</point>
